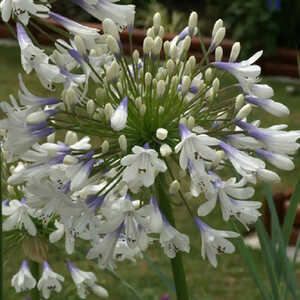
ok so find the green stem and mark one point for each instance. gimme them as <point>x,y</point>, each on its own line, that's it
<point>34,268</point>
<point>176,263</point>
<point>1,250</point>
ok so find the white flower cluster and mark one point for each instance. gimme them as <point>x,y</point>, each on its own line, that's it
<point>132,126</point>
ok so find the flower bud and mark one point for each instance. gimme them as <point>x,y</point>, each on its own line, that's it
<point>123,143</point>
<point>113,73</point>
<point>216,85</point>
<point>71,138</point>
<point>136,56</point>
<point>100,93</point>
<point>217,26</point>
<point>191,122</point>
<point>165,150</point>
<point>170,67</point>
<point>235,51</point>
<point>79,43</point>
<point>174,187</point>
<point>174,52</point>
<point>109,27</point>
<point>244,112</point>
<point>51,138</point>
<point>186,83</point>
<point>219,53</point>
<point>218,38</point>
<point>148,79</point>
<point>208,75</point>
<point>108,111</point>
<point>138,102</point>
<point>99,291</point>
<point>191,63</point>
<point>161,32</point>
<point>161,87</point>
<point>167,46</point>
<point>119,117</point>
<point>193,21</point>
<point>157,46</point>
<point>161,133</point>
<point>187,43</point>
<point>183,121</point>
<point>156,22</point>
<point>105,147</point>
<point>150,33</point>
<point>239,101</point>
<point>148,45</point>
<point>90,107</point>
<point>113,45</point>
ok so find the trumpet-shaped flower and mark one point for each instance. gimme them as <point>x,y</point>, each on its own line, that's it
<point>23,280</point>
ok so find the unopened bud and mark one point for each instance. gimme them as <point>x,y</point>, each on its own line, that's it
<point>186,83</point>
<point>191,122</point>
<point>268,176</point>
<point>208,75</point>
<point>157,46</point>
<point>150,33</point>
<point>165,150</point>
<point>193,20</point>
<point>108,111</point>
<point>156,22</point>
<point>113,73</point>
<point>109,27</point>
<point>90,107</point>
<point>105,147</point>
<point>161,110</point>
<point>161,133</point>
<point>244,112</point>
<point>174,187</point>
<point>170,66</point>
<point>218,24</point>
<point>218,38</point>
<point>123,143</point>
<point>148,79</point>
<point>138,102</point>
<point>113,45</point>
<point>39,116</point>
<point>235,51</point>
<point>183,121</point>
<point>51,138</point>
<point>219,53</point>
<point>239,102</point>
<point>70,160</point>
<point>187,43</point>
<point>136,56</point>
<point>167,46</point>
<point>80,45</point>
<point>161,32</point>
<point>71,138</point>
<point>148,45</point>
<point>216,85</point>
<point>161,87</point>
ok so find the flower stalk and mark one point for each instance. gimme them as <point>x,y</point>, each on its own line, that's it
<point>35,270</point>
<point>176,263</point>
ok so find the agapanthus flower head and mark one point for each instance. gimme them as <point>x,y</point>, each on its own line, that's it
<point>140,131</point>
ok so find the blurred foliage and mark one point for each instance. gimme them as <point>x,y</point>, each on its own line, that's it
<point>257,23</point>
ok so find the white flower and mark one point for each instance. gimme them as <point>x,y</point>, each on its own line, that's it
<point>123,15</point>
<point>245,72</point>
<point>89,35</point>
<point>244,164</point>
<point>119,117</point>
<point>142,166</point>
<point>84,280</point>
<point>195,148</point>
<point>18,216</point>
<point>23,280</point>
<point>34,58</point>
<point>50,281</point>
<point>214,242</point>
<point>172,240</point>
<point>274,138</point>
<point>226,192</point>
<point>22,9</point>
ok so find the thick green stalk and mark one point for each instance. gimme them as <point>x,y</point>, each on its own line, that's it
<point>177,266</point>
<point>34,268</point>
<point>1,250</point>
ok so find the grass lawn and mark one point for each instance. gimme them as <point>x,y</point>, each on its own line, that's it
<point>230,280</point>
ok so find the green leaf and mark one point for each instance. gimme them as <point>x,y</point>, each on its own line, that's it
<point>291,214</point>
<point>240,244</point>
<point>269,255</point>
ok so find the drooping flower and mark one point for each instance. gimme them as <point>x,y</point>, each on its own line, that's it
<point>23,280</point>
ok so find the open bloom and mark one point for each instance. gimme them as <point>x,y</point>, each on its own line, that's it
<point>142,166</point>
<point>214,242</point>
<point>84,281</point>
<point>23,280</point>
<point>22,9</point>
<point>50,281</point>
